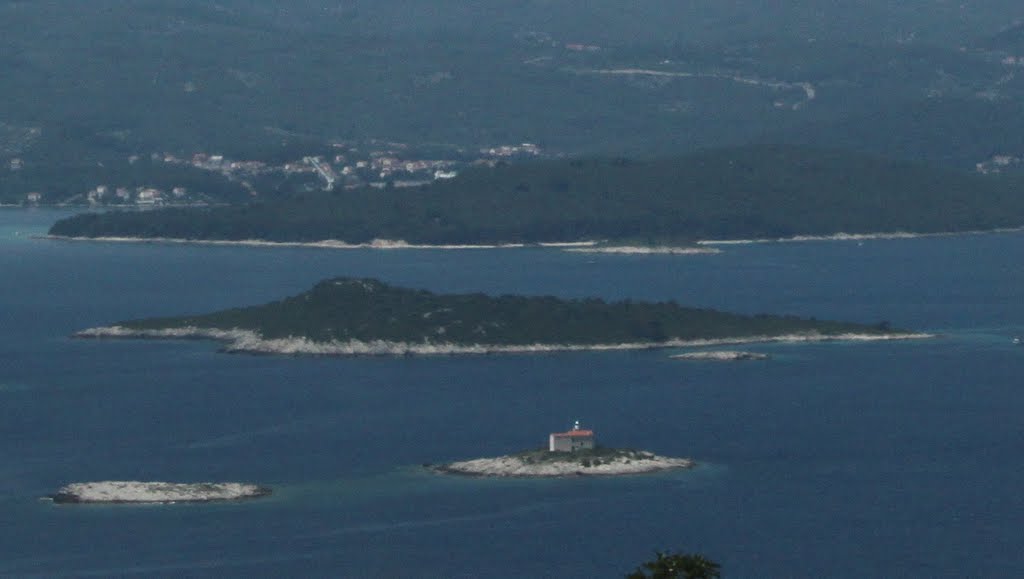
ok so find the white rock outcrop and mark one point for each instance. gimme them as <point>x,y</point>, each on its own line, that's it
<point>156,492</point>
<point>721,356</point>
<point>645,250</point>
<point>248,341</point>
<point>566,464</point>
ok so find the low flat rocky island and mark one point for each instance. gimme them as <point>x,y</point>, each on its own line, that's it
<point>721,356</point>
<point>136,492</point>
<point>543,463</point>
<point>570,453</point>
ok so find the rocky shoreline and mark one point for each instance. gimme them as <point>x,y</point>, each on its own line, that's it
<point>721,356</point>
<point>322,244</point>
<point>585,246</point>
<point>136,492</point>
<point>841,236</point>
<point>544,464</point>
<point>645,250</point>
<point>250,342</point>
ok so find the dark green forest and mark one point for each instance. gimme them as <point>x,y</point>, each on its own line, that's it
<point>366,310</point>
<point>755,191</point>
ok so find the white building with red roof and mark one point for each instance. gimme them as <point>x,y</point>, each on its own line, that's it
<point>572,440</point>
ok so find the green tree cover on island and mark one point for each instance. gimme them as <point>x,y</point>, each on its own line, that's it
<point>365,309</point>
<point>754,191</point>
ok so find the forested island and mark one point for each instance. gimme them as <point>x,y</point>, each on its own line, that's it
<point>346,316</point>
<point>743,192</point>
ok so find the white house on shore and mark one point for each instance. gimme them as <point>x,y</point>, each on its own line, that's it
<point>571,441</point>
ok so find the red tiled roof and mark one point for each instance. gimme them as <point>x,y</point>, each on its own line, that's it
<point>573,433</point>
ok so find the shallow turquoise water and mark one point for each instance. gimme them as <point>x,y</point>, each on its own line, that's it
<point>840,460</point>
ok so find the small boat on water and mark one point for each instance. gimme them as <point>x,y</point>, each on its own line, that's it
<point>1017,342</point>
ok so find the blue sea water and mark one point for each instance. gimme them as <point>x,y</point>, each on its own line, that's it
<point>830,460</point>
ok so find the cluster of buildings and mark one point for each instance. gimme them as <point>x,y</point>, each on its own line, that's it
<point>103,195</point>
<point>523,150</point>
<point>219,164</point>
<point>571,440</point>
<point>141,196</point>
<point>580,47</point>
<point>998,164</point>
<point>349,166</point>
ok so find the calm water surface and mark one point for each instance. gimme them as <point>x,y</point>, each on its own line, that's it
<point>839,460</point>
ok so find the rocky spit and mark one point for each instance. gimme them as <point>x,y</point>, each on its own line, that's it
<point>585,246</point>
<point>135,492</point>
<point>565,465</point>
<point>721,356</point>
<point>645,250</point>
<point>247,341</point>
<point>322,244</point>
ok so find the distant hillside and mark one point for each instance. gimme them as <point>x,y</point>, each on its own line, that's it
<point>951,132</point>
<point>343,310</point>
<point>756,191</point>
<point>1010,39</point>
<point>96,82</point>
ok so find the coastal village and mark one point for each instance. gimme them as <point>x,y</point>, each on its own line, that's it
<point>346,165</point>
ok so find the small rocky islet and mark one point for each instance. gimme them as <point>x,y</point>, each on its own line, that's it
<point>544,464</point>
<point>139,492</point>
<point>570,453</point>
<point>721,356</point>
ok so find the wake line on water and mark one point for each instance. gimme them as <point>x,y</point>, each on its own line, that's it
<point>503,513</point>
<point>181,568</point>
<point>250,342</point>
<point>244,562</point>
<point>238,438</point>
